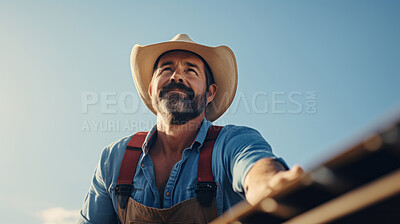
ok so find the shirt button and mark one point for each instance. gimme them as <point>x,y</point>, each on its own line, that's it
<point>142,165</point>
<point>167,194</point>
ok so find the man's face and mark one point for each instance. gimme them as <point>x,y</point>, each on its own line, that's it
<point>178,87</point>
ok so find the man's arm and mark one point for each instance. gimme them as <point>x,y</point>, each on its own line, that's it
<point>97,206</point>
<point>268,175</point>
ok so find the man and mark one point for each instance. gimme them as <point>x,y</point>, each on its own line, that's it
<point>184,170</point>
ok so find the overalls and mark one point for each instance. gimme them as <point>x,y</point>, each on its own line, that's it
<point>201,209</point>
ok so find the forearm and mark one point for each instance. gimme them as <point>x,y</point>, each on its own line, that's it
<point>266,176</point>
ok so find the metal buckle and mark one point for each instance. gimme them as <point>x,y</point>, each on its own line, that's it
<point>205,192</point>
<point>123,191</point>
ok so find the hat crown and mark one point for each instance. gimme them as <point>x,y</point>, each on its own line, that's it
<point>182,37</point>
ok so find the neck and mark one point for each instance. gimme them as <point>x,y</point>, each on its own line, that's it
<point>173,139</point>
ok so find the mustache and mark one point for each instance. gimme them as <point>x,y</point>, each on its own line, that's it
<point>175,85</point>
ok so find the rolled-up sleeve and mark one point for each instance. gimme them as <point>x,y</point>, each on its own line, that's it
<point>97,206</point>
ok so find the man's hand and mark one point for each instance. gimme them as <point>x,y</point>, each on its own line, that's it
<point>267,176</point>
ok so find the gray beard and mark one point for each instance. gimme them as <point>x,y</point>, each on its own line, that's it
<point>178,109</point>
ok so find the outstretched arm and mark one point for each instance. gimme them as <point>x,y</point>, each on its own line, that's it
<point>268,175</point>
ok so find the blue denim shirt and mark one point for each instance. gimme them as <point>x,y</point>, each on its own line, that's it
<point>235,151</point>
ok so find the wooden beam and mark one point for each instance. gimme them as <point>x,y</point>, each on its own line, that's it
<point>352,201</point>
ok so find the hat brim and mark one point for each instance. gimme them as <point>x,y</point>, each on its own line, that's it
<point>221,60</point>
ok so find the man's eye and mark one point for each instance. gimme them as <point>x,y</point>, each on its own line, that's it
<point>166,70</point>
<point>192,71</point>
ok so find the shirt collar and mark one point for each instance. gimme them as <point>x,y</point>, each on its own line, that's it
<point>149,139</point>
<point>197,143</point>
<point>201,135</point>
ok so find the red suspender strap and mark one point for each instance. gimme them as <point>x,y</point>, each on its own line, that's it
<point>128,167</point>
<point>131,158</point>
<point>206,187</point>
<point>205,167</point>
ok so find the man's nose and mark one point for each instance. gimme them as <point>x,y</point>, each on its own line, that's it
<point>176,76</point>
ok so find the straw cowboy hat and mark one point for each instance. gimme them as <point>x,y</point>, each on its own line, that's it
<point>221,60</point>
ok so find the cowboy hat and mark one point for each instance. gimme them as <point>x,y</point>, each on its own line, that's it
<point>221,60</point>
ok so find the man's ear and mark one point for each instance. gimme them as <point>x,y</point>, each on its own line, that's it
<point>212,91</point>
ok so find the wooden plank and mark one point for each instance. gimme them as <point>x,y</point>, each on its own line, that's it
<point>352,201</point>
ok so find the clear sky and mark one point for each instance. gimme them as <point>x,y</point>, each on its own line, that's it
<point>312,75</point>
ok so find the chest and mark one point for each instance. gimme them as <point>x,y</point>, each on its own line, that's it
<point>162,169</point>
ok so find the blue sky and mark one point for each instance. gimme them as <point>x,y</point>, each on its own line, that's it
<point>312,76</point>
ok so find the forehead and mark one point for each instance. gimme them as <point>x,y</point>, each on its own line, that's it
<point>184,56</point>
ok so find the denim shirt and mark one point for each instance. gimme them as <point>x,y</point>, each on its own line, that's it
<point>236,150</point>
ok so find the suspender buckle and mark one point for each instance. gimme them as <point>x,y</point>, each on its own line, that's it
<point>205,192</point>
<point>123,191</point>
